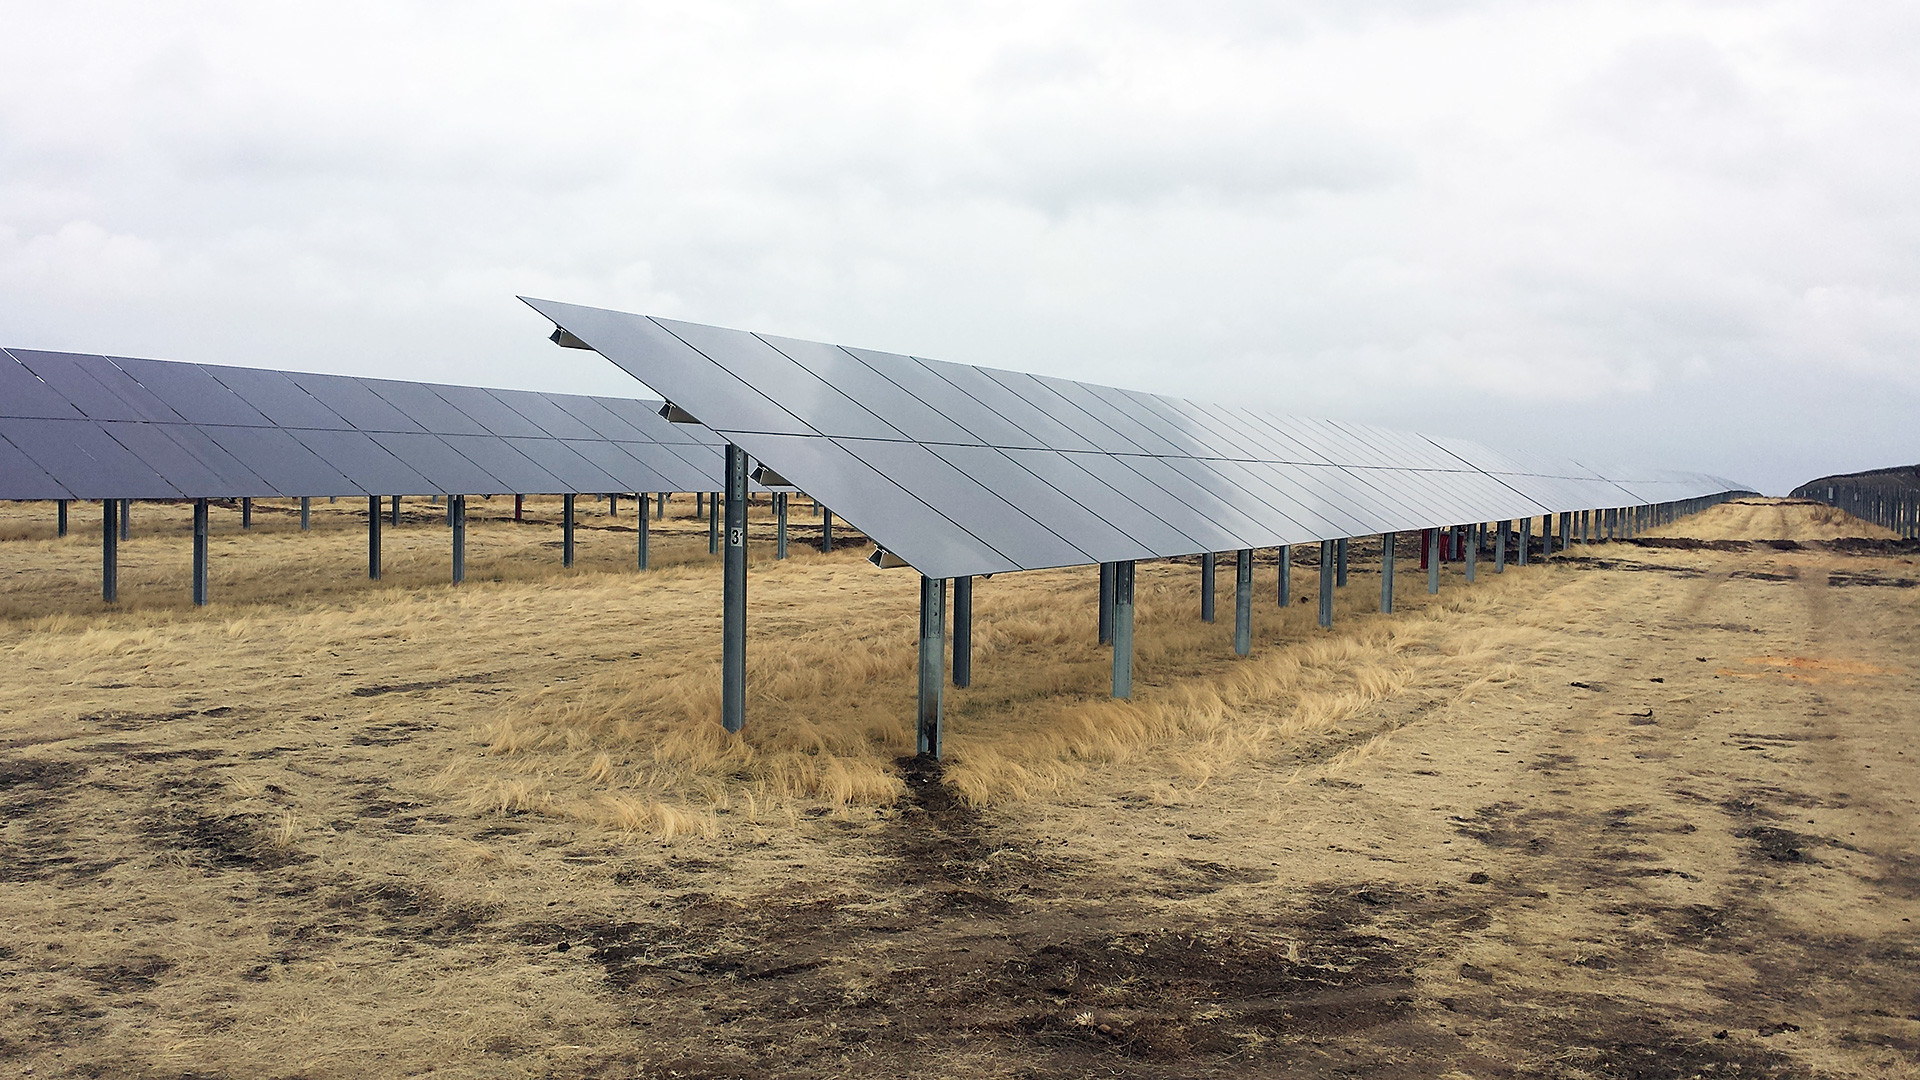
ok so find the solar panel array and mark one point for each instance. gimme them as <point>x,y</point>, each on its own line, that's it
<point>92,427</point>
<point>963,470</point>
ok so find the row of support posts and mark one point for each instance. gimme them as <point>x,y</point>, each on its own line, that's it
<point>116,515</point>
<point>1116,600</point>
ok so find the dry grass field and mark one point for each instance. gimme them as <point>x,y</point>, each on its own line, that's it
<point>1646,811</point>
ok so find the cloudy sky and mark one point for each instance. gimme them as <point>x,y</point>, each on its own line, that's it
<point>1667,233</point>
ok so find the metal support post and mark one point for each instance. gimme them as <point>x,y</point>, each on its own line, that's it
<point>200,552</point>
<point>1243,602</point>
<point>306,513</point>
<point>1123,629</point>
<point>373,537</point>
<point>126,518</point>
<point>963,632</point>
<point>246,513</point>
<point>1285,596</point>
<point>457,507</point>
<point>1106,603</point>
<point>109,550</point>
<point>640,523</point>
<point>393,518</point>
<point>780,529</point>
<point>1206,587</point>
<point>1326,584</point>
<point>826,529</point>
<point>63,518</point>
<point>1473,550</point>
<point>699,504</point>
<point>1386,573</point>
<point>1500,531</point>
<point>1340,562</point>
<point>1566,528</point>
<point>566,530</point>
<point>733,623</point>
<point>933,647</point>
<point>613,504</point>
<point>519,508</point>
<point>1526,540</point>
<point>1433,561</point>
<point>713,524</point>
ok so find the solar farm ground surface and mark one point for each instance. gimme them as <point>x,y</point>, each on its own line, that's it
<point>1647,811</point>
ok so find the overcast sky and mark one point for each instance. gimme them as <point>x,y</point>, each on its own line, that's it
<point>1662,234</point>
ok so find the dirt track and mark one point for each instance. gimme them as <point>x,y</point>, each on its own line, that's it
<point>1648,811</point>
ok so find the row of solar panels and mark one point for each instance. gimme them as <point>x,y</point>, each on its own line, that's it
<point>963,470</point>
<point>91,427</point>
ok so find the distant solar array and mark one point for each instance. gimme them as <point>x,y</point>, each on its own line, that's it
<point>96,427</point>
<point>961,470</point>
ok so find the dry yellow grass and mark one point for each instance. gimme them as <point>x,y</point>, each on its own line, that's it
<point>1772,519</point>
<point>329,827</point>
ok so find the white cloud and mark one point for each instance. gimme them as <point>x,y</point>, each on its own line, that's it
<point>1537,223</point>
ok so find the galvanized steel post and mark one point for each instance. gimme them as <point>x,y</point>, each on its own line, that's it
<point>1106,603</point>
<point>306,513</point>
<point>733,628</point>
<point>826,529</point>
<point>1326,584</point>
<point>63,518</point>
<point>963,632</point>
<point>109,551</point>
<point>373,537</point>
<point>713,524</point>
<point>1500,531</point>
<point>126,518</point>
<point>933,647</point>
<point>1206,587</point>
<point>1243,602</point>
<point>457,508</point>
<point>640,521</point>
<point>200,552</point>
<point>1123,629</point>
<point>566,530</point>
<point>1386,573</point>
<point>1433,560</point>
<point>1286,577</point>
<point>395,519</point>
<point>1473,550</point>
<point>1526,540</point>
<point>780,525</point>
<point>1340,562</point>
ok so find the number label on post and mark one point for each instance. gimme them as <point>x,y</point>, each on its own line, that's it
<point>736,537</point>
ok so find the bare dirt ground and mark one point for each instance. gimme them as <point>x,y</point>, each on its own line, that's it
<point>1646,811</point>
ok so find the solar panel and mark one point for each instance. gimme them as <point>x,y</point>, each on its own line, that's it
<point>191,392</point>
<point>85,460</point>
<point>86,382</point>
<point>25,478</point>
<point>905,414</point>
<point>612,458</point>
<point>364,463</point>
<point>1039,471</point>
<point>355,401</point>
<point>23,394</point>
<point>278,398</point>
<point>277,457</point>
<point>100,427</point>
<point>425,407</point>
